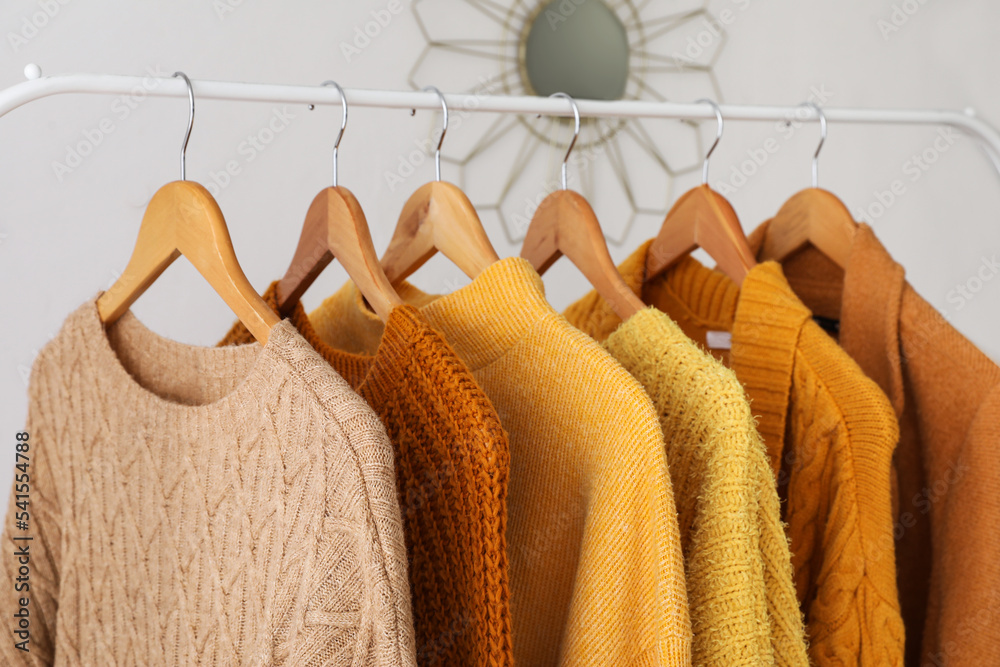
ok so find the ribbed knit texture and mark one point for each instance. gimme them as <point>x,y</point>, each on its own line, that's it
<point>195,506</point>
<point>743,605</point>
<point>452,464</point>
<point>830,434</point>
<point>596,568</point>
<point>946,394</point>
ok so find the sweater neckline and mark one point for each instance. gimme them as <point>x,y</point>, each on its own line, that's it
<point>480,321</point>
<point>135,338</point>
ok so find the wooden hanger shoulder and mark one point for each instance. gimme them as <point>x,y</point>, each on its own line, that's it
<point>336,227</point>
<point>565,224</point>
<point>438,217</point>
<point>814,216</point>
<point>184,219</point>
<point>702,218</point>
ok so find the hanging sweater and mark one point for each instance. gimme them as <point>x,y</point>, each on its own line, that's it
<point>200,506</point>
<point>596,568</point>
<point>739,574</point>
<point>946,394</point>
<point>452,463</point>
<point>830,434</point>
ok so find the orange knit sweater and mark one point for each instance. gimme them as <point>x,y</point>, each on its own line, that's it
<point>452,463</point>
<point>830,434</point>
<point>946,393</point>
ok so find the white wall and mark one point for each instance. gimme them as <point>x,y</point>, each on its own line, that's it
<point>63,236</point>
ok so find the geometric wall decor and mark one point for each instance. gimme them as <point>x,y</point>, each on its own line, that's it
<point>616,49</point>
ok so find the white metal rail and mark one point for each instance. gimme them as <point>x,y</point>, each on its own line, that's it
<point>111,84</point>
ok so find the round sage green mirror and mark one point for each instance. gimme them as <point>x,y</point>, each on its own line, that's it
<point>578,47</point>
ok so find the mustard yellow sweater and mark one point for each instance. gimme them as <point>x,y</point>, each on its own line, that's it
<point>739,572</point>
<point>830,433</point>
<point>596,571</point>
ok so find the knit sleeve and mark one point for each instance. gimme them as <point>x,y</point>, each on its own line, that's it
<point>30,556</point>
<point>356,599</point>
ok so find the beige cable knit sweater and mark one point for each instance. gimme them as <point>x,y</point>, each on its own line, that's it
<point>203,506</point>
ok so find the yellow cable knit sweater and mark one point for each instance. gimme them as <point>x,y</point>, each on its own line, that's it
<point>202,506</point>
<point>739,573</point>
<point>596,571</point>
<point>830,433</point>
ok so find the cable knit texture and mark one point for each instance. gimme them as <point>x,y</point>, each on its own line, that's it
<point>452,464</point>
<point>830,434</point>
<point>197,506</point>
<point>743,604</point>
<point>597,574</point>
<point>946,393</point>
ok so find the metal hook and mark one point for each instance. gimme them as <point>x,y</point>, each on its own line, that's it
<point>576,133</point>
<point>444,129</point>
<point>187,135</point>
<point>343,124</point>
<point>718,135</point>
<point>822,139</point>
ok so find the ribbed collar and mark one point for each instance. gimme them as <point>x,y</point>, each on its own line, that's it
<point>481,321</point>
<point>764,316</point>
<point>870,306</point>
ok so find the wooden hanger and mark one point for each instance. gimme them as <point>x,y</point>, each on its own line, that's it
<point>184,219</point>
<point>702,218</point>
<point>336,227</point>
<point>438,217</point>
<point>813,216</point>
<point>565,224</point>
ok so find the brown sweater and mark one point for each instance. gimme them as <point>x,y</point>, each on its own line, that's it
<point>198,506</point>
<point>946,394</point>
<point>452,463</point>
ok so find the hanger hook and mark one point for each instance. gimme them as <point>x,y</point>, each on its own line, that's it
<point>343,124</point>
<point>576,133</point>
<point>444,129</point>
<point>187,135</point>
<point>822,139</point>
<point>718,135</point>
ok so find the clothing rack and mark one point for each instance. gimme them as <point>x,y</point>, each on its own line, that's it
<point>38,87</point>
